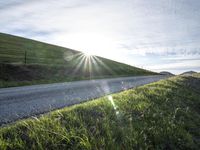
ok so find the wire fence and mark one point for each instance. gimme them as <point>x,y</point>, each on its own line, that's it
<point>27,58</point>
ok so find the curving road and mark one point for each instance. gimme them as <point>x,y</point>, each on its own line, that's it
<point>21,102</point>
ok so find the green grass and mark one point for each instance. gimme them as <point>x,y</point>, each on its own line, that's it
<point>46,63</point>
<point>161,115</point>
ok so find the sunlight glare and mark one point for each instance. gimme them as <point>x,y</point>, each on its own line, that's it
<point>112,102</point>
<point>88,53</point>
<point>110,98</point>
<point>90,43</point>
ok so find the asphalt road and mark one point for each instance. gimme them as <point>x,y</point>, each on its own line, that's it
<point>21,102</point>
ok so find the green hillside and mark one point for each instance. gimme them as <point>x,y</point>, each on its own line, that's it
<point>24,61</point>
<point>160,115</point>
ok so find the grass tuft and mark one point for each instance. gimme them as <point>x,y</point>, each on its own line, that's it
<point>161,115</point>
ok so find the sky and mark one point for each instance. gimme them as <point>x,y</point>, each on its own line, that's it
<point>159,35</point>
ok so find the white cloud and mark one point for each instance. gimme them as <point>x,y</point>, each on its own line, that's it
<point>121,30</point>
<point>181,65</point>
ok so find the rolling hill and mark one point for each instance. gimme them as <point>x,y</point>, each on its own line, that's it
<point>188,73</point>
<point>166,73</point>
<point>25,62</point>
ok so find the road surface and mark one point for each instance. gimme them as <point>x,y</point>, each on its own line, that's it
<point>21,102</point>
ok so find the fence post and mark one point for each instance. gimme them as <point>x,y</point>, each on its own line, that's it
<point>25,57</point>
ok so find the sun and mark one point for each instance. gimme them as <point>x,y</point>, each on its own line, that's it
<point>88,53</point>
<point>91,44</point>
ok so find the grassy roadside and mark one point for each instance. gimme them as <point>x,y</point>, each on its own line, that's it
<point>6,84</point>
<point>161,115</point>
<point>19,75</point>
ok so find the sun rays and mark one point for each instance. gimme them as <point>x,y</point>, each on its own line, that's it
<point>90,65</point>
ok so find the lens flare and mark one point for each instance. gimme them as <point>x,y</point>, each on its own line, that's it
<point>110,98</point>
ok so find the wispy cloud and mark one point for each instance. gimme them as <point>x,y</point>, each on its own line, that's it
<point>177,67</point>
<point>138,32</point>
<point>10,3</point>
